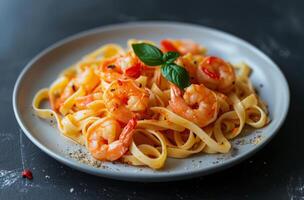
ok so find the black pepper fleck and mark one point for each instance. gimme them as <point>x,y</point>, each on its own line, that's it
<point>111,66</point>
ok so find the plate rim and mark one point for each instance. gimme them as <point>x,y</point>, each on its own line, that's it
<point>147,177</point>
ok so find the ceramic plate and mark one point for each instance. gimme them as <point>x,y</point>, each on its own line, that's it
<point>46,66</point>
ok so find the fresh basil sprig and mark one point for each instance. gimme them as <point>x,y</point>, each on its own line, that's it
<point>176,74</point>
<point>170,56</point>
<point>148,53</point>
<point>152,56</point>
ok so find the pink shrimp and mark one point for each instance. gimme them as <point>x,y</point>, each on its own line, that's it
<point>216,74</point>
<point>198,104</point>
<point>121,66</point>
<point>102,149</point>
<point>125,100</point>
<point>82,101</point>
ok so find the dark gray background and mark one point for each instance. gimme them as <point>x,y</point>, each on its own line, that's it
<point>276,27</point>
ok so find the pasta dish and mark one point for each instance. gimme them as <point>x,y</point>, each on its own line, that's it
<point>145,103</point>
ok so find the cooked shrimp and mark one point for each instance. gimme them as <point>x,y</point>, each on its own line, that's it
<point>121,66</point>
<point>216,74</point>
<point>125,100</point>
<point>130,65</point>
<point>82,101</point>
<point>181,46</point>
<point>190,62</point>
<point>103,148</point>
<point>109,71</point>
<point>198,104</point>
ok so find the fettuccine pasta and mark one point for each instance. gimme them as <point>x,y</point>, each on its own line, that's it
<point>122,109</point>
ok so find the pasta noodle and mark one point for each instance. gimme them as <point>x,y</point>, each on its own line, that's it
<point>122,109</point>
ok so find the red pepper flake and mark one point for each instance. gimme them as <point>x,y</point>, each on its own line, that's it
<point>211,60</point>
<point>168,46</point>
<point>27,174</point>
<point>125,100</point>
<point>211,74</point>
<point>133,71</point>
<point>119,82</point>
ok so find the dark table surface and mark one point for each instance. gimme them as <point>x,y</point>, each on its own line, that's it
<point>276,27</point>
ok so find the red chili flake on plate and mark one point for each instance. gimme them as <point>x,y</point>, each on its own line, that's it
<point>27,174</point>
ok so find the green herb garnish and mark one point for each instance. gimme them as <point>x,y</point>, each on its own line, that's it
<point>152,56</point>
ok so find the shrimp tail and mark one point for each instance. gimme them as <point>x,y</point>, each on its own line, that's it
<point>128,131</point>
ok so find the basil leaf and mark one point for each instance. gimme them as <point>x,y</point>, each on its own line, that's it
<point>152,56</point>
<point>148,54</point>
<point>176,74</point>
<point>170,56</point>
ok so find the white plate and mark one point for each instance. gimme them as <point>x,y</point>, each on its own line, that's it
<point>46,66</point>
